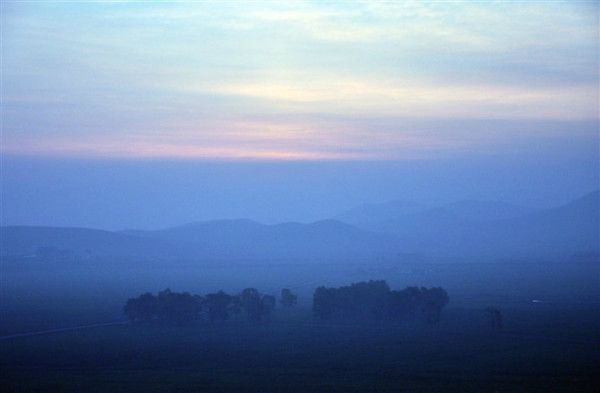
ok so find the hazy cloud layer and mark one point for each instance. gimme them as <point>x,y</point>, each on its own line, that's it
<point>301,80</point>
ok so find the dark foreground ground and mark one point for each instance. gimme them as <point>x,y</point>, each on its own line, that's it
<point>543,348</point>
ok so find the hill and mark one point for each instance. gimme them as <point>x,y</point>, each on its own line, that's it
<point>498,230</point>
<point>250,239</point>
<point>76,243</point>
<point>483,230</point>
<point>372,213</point>
<point>221,239</point>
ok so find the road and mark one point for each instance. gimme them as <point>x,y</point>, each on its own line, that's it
<point>67,329</point>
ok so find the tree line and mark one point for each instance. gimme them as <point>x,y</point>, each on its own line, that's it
<point>182,308</point>
<point>374,300</point>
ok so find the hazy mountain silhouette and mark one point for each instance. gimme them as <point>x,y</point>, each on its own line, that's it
<point>466,229</point>
<point>453,217</point>
<point>478,210</point>
<point>492,229</point>
<point>78,242</point>
<point>223,239</point>
<point>574,226</point>
<point>373,213</point>
<point>250,239</point>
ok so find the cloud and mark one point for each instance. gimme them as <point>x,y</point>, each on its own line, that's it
<point>411,97</point>
<point>316,137</point>
<point>187,77</point>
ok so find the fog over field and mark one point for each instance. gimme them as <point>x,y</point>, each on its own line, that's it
<point>302,196</point>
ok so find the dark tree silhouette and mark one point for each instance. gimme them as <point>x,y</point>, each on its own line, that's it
<point>177,307</point>
<point>142,308</point>
<point>374,300</point>
<point>183,308</point>
<point>167,307</point>
<point>324,302</point>
<point>267,305</point>
<point>433,301</point>
<point>405,303</point>
<point>236,305</point>
<point>288,299</point>
<point>363,300</point>
<point>251,302</point>
<point>217,305</point>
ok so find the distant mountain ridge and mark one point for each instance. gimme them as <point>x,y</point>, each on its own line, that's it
<point>375,212</point>
<point>468,229</point>
<point>496,229</point>
<point>221,239</point>
<point>372,214</point>
<point>80,242</point>
<point>250,239</point>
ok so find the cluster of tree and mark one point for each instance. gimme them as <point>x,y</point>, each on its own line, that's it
<point>184,307</point>
<point>374,300</point>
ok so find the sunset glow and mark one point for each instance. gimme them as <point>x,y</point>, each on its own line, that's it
<point>190,80</point>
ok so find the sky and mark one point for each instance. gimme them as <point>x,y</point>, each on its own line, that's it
<point>291,110</point>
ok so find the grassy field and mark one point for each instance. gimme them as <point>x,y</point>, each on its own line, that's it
<point>541,349</point>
